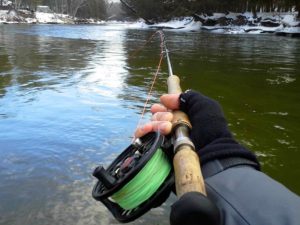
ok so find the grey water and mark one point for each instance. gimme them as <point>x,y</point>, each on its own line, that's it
<point>71,97</point>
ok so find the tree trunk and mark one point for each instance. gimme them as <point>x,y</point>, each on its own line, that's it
<point>18,3</point>
<point>253,10</point>
<point>298,8</point>
<point>76,5</point>
<point>135,12</point>
<point>69,3</point>
<point>128,6</point>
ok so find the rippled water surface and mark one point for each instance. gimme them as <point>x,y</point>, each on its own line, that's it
<point>70,98</point>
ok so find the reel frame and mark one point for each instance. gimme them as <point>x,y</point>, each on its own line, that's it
<point>101,192</point>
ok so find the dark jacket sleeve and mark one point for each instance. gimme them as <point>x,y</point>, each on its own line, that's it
<point>243,194</point>
<point>247,196</point>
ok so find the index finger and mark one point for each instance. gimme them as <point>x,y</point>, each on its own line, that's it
<point>171,101</point>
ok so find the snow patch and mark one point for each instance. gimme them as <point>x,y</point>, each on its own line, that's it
<point>291,30</point>
<point>42,17</point>
<point>6,3</point>
<point>264,23</point>
<point>9,17</point>
<point>290,20</point>
<point>185,24</point>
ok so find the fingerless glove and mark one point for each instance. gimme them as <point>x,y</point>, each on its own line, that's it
<point>210,133</point>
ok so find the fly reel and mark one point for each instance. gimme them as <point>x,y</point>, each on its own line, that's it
<point>139,179</point>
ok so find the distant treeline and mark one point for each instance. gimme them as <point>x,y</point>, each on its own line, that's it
<point>158,10</point>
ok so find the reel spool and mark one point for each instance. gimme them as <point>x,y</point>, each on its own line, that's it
<point>139,179</point>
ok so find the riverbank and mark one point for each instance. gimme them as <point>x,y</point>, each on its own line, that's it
<point>237,23</point>
<point>284,23</point>
<point>31,17</point>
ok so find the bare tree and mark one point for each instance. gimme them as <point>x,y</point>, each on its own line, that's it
<point>97,8</point>
<point>75,5</point>
<point>134,11</point>
<point>18,4</point>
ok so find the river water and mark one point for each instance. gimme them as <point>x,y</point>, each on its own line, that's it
<point>70,98</point>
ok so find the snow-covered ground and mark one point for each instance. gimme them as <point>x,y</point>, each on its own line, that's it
<point>42,17</point>
<point>6,3</point>
<point>232,23</point>
<point>264,23</point>
<point>25,16</point>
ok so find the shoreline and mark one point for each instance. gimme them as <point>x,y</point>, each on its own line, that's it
<point>238,23</point>
<point>29,17</point>
<point>282,24</point>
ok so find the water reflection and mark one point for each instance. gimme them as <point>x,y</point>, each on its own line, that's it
<point>106,69</point>
<point>142,61</point>
<point>41,62</point>
<point>5,79</point>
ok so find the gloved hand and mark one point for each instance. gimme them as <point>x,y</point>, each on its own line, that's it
<point>206,117</point>
<point>210,133</point>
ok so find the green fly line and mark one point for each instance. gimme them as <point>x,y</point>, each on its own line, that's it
<point>145,183</point>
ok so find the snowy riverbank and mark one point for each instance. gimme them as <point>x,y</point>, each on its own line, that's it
<point>235,23</point>
<point>26,16</point>
<point>231,23</point>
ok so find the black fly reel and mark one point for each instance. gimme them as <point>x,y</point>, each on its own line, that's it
<point>122,187</point>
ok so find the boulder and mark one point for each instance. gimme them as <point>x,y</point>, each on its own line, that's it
<point>253,30</point>
<point>224,21</point>
<point>198,18</point>
<point>269,23</point>
<point>240,21</point>
<point>209,22</point>
<point>26,14</point>
<point>81,21</point>
<point>12,16</point>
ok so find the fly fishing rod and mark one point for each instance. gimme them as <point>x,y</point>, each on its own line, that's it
<point>193,207</point>
<point>188,176</point>
<point>142,176</point>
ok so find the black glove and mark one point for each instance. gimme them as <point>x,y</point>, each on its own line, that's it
<point>210,133</point>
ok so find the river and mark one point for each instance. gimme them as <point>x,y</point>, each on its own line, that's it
<point>71,96</point>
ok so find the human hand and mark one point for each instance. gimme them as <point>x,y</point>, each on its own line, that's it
<point>207,118</point>
<point>205,114</point>
<point>161,116</point>
<point>209,133</point>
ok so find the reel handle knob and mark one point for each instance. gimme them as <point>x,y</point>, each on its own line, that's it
<point>194,208</point>
<point>107,180</point>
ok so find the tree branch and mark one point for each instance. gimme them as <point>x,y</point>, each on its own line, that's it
<point>135,12</point>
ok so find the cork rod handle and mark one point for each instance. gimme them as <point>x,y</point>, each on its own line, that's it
<point>188,176</point>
